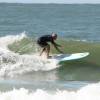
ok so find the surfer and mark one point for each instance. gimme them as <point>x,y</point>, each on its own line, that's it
<point>43,43</point>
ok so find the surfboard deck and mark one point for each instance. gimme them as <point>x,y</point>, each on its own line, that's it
<point>66,57</point>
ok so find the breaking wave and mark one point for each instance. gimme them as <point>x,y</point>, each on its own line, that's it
<point>19,56</point>
<point>12,63</point>
<point>89,92</point>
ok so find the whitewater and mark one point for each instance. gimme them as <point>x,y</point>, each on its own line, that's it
<point>89,92</point>
<point>13,63</point>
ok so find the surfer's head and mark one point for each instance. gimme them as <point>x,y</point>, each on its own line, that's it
<point>54,36</point>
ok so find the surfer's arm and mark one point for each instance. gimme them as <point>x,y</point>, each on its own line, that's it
<point>54,43</point>
<point>58,49</point>
<point>56,46</point>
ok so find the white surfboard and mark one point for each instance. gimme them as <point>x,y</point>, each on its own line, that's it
<point>66,57</point>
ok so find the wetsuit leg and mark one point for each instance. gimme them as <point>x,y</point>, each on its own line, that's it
<point>45,47</point>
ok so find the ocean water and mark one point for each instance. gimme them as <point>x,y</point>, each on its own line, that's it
<point>26,76</point>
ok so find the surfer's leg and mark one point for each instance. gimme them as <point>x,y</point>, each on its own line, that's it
<point>43,46</point>
<point>42,51</point>
<point>47,50</point>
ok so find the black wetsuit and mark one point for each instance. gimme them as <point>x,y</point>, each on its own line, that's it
<point>43,40</point>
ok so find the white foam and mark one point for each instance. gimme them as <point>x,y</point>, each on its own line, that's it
<point>89,92</point>
<point>9,39</point>
<point>21,64</point>
<point>12,64</point>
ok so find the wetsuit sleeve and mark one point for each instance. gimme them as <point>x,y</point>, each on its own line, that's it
<point>54,43</point>
<point>56,46</point>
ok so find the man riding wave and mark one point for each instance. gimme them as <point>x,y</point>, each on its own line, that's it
<point>43,43</point>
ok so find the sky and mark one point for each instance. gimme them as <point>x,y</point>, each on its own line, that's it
<point>51,1</point>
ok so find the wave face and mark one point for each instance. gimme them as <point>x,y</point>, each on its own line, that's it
<point>19,56</point>
<point>89,92</point>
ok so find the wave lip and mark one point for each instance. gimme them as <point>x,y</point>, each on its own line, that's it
<point>9,39</point>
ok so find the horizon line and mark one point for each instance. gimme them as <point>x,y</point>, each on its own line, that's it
<point>42,3</point>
